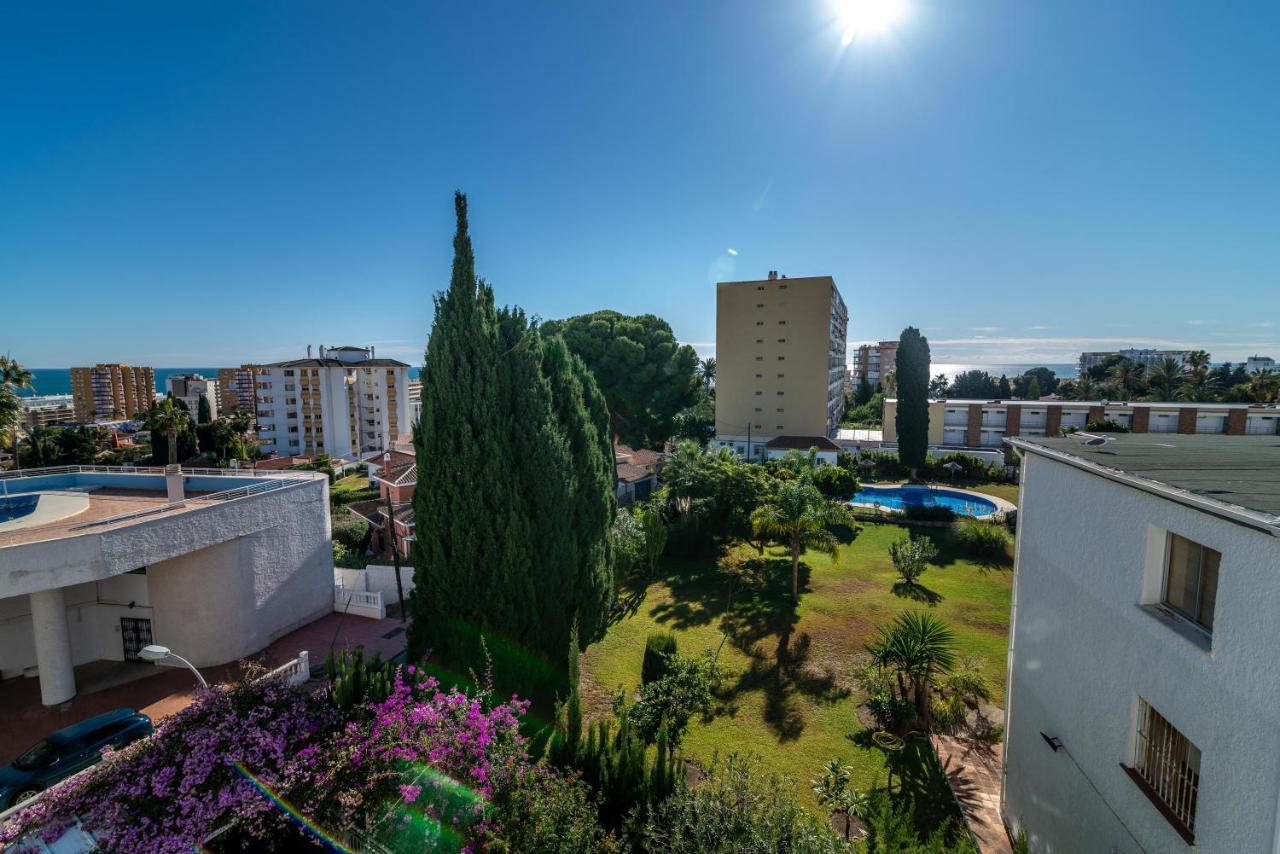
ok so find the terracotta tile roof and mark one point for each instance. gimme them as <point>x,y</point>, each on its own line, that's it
<point>801,443</point>
<point>281,462</point>
<point>637,457</point>
<point>627,473</point>
<point>374,511</point>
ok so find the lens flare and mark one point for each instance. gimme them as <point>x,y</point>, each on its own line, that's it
<point>295,815</point>
<point>868,19</point>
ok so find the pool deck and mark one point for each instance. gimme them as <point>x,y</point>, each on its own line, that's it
<point>1002,506</point>
<point>103,504</point>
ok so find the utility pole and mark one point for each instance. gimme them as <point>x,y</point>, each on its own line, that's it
<point>395,553</point>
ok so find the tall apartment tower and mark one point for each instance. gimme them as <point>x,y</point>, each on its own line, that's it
<point>237,387</point>
<point>110,391</point>
<point>780,361</point>
<point>345,403</point>
<point>873,363</point>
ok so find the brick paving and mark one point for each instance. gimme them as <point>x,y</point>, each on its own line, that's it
<point>973,769</point>
<point>25,721</point>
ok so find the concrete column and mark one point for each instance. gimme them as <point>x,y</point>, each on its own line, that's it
<point>173,483</point>
<point>973,431</point>
<point>53,646</point>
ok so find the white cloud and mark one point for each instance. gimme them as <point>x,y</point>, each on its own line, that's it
<point>986,328</point>
<point>732,251</point>
<point>1033,328</point>
<point>1195,323</point>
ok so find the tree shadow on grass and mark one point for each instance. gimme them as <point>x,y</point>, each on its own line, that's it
<point>916,591</point>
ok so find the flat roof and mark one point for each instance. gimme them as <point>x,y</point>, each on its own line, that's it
<point>1234,471</point>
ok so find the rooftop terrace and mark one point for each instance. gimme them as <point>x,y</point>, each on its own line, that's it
<point>1233,471</point>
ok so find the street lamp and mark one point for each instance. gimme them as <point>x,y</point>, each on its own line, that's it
<point>157,654</point>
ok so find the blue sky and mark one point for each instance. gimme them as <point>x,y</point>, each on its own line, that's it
<point>209,183</point>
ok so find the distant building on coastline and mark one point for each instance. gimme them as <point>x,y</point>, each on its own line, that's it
<point>237,389</point>
<point>47,410</point>
<point>872,363</point>
<point>1259,363</point>
<point>190,388</point>
<point>110,391</point>
<point>1147,358</point>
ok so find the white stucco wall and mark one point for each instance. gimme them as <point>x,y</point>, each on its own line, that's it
<point>222,581</point>
<point>1082,652</point>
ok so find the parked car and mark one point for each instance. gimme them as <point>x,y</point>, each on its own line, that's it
<point>67,751</point>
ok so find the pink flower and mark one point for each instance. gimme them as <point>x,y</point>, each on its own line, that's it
<point>409,792</point>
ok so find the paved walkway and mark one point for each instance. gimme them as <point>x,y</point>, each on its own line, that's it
<point>166,690</point>
<point>974,771</point>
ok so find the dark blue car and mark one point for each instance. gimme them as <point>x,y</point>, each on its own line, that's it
<point>67,751</point>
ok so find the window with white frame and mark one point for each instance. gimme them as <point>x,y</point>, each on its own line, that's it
<point>1191,580</point>
<point>1166,766</point>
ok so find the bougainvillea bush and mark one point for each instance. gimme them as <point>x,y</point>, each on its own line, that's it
<point>425,769</point>
<point>171,790</point>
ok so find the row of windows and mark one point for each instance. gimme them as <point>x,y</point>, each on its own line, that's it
<point>761,376</point>
<point>758,393</point>
<point>761,358</point>
<point>779,409</point>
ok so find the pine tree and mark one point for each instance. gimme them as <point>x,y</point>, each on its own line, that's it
<point>1033,388</point>
<point>912,416</point>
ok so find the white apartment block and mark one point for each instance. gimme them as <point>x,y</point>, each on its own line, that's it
<point>1259,363</point>
<point>346,403</point>
<point>190,388</point>
<point>1143,701</point>
<point>98,562</point>
<point>1146,357</point>
<point>46,410</point>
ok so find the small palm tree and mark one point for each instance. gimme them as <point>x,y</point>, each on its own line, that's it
<point>1264,385</point>
<point>707,371</point>
<point>836,792</point>
<point>1128,376</point>
<point>916,647</point>
<point>1085,388</point>
<point>13,376</point>
<point>801,517</point>
<point>1197,360</point>
<point>168,418</point>
<point>1165,378</point>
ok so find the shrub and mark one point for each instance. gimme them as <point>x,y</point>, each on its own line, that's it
<point>891,713</point>
<point>659,649</point>
<point>351,533</point>
<point>736,808</point>
<point>911,556</point>
<point>982,539</point>
<point>673,700</point>
<point>1106,425</point>
<point>929,513</point>
<point>835,481</point>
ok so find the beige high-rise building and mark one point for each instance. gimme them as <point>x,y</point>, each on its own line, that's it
<point>112,391</point>
<point>874,364</point>
<point>780,362</point>
<point>236,388</point>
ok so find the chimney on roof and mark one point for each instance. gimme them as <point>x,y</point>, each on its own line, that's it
<point>321,351</point>
<point>308,351</point>
<point>373,354</point>
<point>773,274</point>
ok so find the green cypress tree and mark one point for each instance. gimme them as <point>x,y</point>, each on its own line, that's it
<point>461,527</point>
<point>912,416</point>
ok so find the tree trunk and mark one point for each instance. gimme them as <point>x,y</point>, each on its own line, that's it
<point>173,447</point>
<point>795,571</point>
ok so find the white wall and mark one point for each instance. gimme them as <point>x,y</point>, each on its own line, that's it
<point>1082,651</point>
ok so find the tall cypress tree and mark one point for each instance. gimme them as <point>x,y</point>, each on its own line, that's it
<point>912,416</point>
<point>515,481</point>
<point>460,523</point>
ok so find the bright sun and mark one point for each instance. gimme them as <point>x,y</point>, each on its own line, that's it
<point>868,19</point>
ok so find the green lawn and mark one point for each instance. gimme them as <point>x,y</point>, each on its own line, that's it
<point>353,487</point>
<point>789,695</point>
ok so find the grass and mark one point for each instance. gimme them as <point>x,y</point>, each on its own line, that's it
<point>788,694</point>
<point>353,487</point>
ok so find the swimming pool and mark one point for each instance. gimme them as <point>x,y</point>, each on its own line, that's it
<point>901,497</point>
<point>16,506</point>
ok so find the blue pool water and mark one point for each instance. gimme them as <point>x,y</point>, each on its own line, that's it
<point>16,506</point>
<point>900,497</point>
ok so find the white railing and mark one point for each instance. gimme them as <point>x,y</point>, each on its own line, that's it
<point>224,495</point>
<point>293,672</point>
<point>359,602</point>
<point>201,472</point>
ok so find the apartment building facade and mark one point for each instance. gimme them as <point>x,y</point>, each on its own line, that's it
<point>191,389</point>
<point>46,410</point>
<point>237,389</point>
<point>109,391</point>
<point>345,403</point>
<point>1143,701</point>
<point>872,363</point>
<point>780,360</point>
<point>986,423</point>
<point>1145,357</point>
<point>1259,363</point>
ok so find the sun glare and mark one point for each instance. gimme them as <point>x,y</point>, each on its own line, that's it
<point>868,19</point>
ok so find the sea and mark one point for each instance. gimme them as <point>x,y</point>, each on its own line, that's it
<point>58,380</point>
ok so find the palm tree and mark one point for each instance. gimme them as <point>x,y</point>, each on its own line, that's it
<point>168,418</point>
<point>801,517</point>
<point>42,447</point>
<point>1128,376</point>
<point>1264,385</point>
<point>916,647</point>
<point>1198,385</point>
<point>1165,378</point>
<point>1197,360</point>
<point>12,377</point>
<point>707,371</point>
<point>1085,388</point>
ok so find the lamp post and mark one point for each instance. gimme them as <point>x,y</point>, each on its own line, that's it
<point>156,653</point>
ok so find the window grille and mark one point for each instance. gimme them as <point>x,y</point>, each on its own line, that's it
<point>1169,763</point>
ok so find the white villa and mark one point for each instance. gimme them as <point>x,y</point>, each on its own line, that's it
<point>1143,702</point>
<point>97,562</point>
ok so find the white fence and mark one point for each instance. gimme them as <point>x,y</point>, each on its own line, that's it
<point>293,672</point>
<point>361,603</point>
<point>375,578</point>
